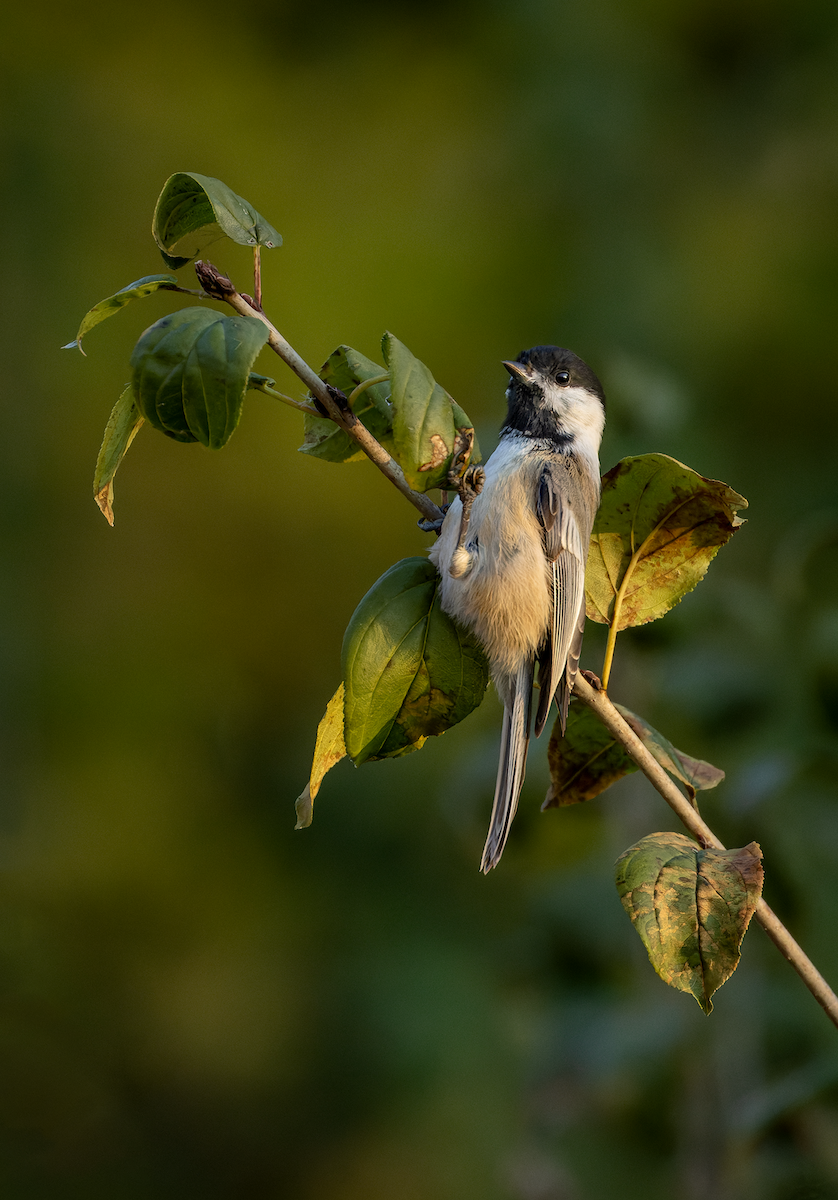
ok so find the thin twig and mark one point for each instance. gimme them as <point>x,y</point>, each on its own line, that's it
<point>300,405</point>
<point>257,277</point>
<point>364,385</point>
<point>220,288</point>
<point>773,926</point>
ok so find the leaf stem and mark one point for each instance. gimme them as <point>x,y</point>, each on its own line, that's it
<point>220,288</point>
<point>300,405</point>
<point>364,384</point>
<point>610,643</point>
<point>257,276</point>
<point>773,926</point>
<point>611,640</point>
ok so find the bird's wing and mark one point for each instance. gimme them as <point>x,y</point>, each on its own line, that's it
<point>568,678</point>
<point>565,550</point>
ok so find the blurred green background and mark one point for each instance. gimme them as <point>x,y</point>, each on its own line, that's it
<point>195,1000</point>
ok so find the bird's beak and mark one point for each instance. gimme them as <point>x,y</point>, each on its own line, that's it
<point>520,371</point>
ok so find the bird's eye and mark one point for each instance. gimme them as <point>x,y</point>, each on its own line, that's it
<point>563,377</point>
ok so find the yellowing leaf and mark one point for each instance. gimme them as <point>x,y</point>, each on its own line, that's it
<point>120,431</point>
<point>328,751</point>
<point>658,527</point>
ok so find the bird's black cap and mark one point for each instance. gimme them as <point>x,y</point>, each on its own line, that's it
<point>548,360</point>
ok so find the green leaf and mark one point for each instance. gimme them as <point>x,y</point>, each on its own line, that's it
<point>123,425</point>
<point>423,418</point>
<point>107,308</point>
<point>376,408</point>
<point>691,907</point>
<point>588,759</point>
<point>193,211</point>
<point>658,527</point>
<point>191,371</point>
<point>329,749</point>
<point>345,368</point>
<point>410,672</point>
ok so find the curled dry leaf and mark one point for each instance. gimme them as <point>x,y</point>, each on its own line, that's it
<point>587,759</point>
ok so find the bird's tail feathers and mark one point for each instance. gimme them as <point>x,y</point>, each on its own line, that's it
<point>515,737</point>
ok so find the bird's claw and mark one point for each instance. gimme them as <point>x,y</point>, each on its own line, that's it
<point>468,483</point>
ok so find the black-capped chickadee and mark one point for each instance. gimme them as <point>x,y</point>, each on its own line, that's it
<point>511,553</point>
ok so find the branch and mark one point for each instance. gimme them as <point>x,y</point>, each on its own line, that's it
<point>220,288</point>
<point>655,773</point>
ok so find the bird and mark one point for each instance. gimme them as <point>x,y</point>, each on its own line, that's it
<point>512,550</point>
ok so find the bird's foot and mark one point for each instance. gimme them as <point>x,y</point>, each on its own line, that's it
<point>466,483</point>
<point>431,526</point>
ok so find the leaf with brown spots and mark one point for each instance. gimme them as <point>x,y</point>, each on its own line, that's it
<point>691,907</point>
<point>439,453</point>
<point>658,527</point>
